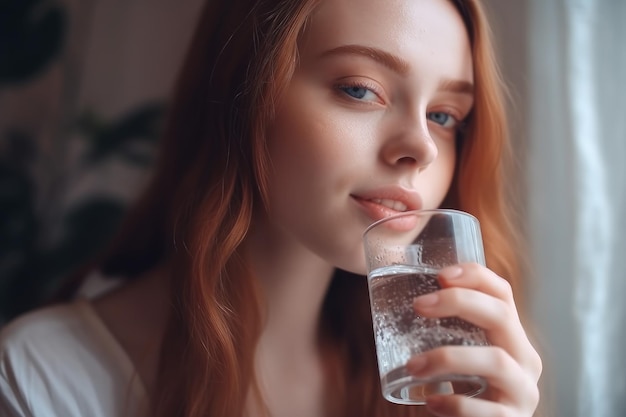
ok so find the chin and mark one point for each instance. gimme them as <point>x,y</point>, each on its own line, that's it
<point>356,271</point>
<point>354,265</point>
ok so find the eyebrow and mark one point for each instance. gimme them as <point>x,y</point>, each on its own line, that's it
<point>457,86</point>
<point>398,65</point>
<point>392,62</point>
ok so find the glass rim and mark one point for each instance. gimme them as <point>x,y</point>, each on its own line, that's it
<point>421,211</point>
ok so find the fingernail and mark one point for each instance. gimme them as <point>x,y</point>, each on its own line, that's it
<point>426,300</point>
<point>416,364</point>
<point>451,272</point>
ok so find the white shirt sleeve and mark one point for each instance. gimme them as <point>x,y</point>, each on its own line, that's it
<point>12,403</point>
<point>62,362</point>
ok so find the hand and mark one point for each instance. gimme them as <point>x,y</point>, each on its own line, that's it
<point>510,365</point>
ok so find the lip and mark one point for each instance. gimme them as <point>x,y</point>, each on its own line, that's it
<point>376,211</point>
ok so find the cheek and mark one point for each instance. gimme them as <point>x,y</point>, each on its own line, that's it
<point>300,146</point>
<point>317,156</point>
<point>312,143</point>
<point>310,125</point>
<point>295,152</point>
<point>438,177</point>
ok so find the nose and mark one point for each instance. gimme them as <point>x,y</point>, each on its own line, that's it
<point>410,146</point>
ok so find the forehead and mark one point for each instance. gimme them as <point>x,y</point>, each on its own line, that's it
<point>411,29</point>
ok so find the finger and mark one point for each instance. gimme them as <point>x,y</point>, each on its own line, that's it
<point>474,293</point>
<point>485,311</point>
<point>460,406</point>
<point>477,277</point>
<point>496,317</point>
<point>499,319</point>
<point>507,381</point>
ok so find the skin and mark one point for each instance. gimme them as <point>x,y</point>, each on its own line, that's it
<point>350,127</point>
<point>356,127</point>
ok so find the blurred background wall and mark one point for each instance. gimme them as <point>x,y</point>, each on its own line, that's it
<point>83,87</point>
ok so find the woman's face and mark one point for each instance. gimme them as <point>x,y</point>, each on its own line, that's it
<point>367,125</point>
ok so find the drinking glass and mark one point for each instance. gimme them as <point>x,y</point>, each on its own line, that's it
<point>404,253</point>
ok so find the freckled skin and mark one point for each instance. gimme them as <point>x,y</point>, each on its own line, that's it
<point>363,127</point>
<point>327,145</point>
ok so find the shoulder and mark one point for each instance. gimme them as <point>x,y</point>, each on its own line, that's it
<point>58,332</point>
<point>61,361</point>
<point>41,323</point>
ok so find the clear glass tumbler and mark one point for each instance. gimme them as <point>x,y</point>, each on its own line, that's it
<point>404,253</point>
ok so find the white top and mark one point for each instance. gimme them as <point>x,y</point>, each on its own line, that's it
<point>62,361</point>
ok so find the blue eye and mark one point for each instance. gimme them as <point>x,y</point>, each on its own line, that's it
<point>354,91</point>
<point>359,92</point>
<point>443,119</point>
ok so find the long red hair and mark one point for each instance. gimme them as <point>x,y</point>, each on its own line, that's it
<point>212,175</point>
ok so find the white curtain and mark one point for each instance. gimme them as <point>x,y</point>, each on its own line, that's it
<point>576,89</point>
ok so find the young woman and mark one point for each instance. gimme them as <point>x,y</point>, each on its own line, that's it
<point>296,124</point>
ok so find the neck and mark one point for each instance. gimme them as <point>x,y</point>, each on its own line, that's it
<point>294,283</point>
